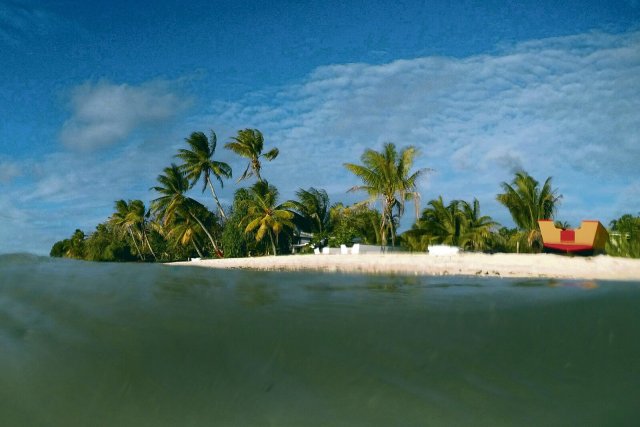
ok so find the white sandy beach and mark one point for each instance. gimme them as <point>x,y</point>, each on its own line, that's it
<point>467,264</point>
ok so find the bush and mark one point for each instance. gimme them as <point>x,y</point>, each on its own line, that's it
<point>623,247</point>
<point>234,244</point>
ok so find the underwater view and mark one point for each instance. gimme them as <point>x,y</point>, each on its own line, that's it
<point>98,344</point>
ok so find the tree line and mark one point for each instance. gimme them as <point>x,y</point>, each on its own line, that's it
<point>175,226</point>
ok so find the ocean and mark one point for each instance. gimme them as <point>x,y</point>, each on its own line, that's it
<point>92,344</point>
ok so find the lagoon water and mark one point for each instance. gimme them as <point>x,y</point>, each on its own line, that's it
<point>88,344</point>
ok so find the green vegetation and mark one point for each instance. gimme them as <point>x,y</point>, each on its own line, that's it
<point>249,144</point>
<point>527,203</point>
<point>624,237</point>
<point>198,162</point>
<point>235,241</point>
<point>386,176</point>
<point>311,210</point>
<point>354,222</point>
<point>264,217</point>
<point>173,207</point>
<point>459,224</point>
<point>177,227</point>
<point>129,218</point>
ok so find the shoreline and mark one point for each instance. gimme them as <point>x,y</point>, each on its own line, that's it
<point>601,267</point>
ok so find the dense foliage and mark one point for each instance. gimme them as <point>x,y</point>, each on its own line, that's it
<point>527,202</point>
<point>386,176</point>
<point>624,239</point>
<point>459,224</point>
<point>178,227</point>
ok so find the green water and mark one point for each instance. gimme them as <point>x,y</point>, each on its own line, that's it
<point>85,344</point>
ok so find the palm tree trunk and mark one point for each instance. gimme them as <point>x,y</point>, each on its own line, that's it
<point>383,225</point>
<point>393,233</point>
<point>389,217</point>
<point>255,165</point>
<point>215,197</point>
<point>215,247</point>
<point>197,250</point>
<point>273,245</point>
<point>146,239</point>
<point>135,243</point>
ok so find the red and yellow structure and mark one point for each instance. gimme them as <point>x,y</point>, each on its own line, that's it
<point>590,238</point>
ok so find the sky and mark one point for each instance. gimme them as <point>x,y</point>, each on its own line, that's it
<point>97,97</point>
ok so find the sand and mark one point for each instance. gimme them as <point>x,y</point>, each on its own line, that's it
<point>600,267</point>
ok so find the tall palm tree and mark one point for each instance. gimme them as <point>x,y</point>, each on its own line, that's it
<point>249,144</point>
<point>528,202</point>
<point>172,200</point>
<point>198,162</point>
<point>264,215</point>
<point>138,215</point>
<point>387,176</point>
<point>129,218</point>
<point>311,209</point>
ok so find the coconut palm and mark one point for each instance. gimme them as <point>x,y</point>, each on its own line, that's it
<point>477,229</point>
<point>172,202</point>
<point>199,163</point>
<point>129,218</point>
<point>627,224</point>
<point>138,215</point>
<point>562,224</point>
<point>625,237</point>
<point>75,247</point>
<point>264,217</point>
<point>459,223</point>
<point>249,143</point>
<point>528,202</point>
<point>443,224</point>
<point>387,176</point>
<point>184,232</point>
<point>311,210</point>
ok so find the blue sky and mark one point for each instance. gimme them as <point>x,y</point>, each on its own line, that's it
<point>96,97</point>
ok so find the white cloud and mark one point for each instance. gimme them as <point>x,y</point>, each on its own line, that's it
<point>104,113</point>
<point>566,107</point>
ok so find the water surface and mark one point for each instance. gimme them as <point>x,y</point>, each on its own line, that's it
<point>150,345</point>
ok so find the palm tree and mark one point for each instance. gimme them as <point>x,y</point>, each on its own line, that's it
<point>386,176</point>
<point>172,202</point>
<point>562,224</point>
<point>198,162</point>
<point>311,210</point>
<point>249,143</point>
<point>528,203</point>
<point>443,224</point>
<point>138,215</point>
<point>628,224</point>
<point>459,223</point>
<point>264,216</point>
<point>76,245</point>
<point>184,231</point>
<point>129,218</point>
<point>477,230</point>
